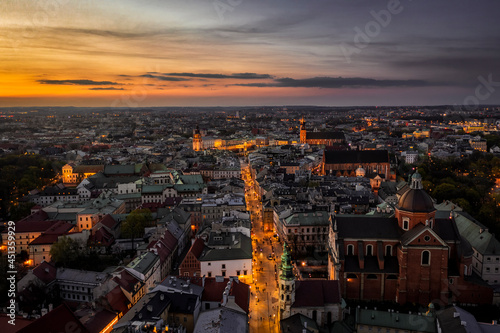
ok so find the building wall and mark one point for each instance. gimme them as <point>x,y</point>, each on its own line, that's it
<point>230,267</point>
<point>422,283</point>
<point>190,266</point>
<point>39,253</point>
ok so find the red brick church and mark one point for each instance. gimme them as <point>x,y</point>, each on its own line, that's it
<point>410,257</point>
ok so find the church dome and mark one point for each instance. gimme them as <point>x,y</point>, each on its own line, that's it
<point>416,199</point>
<point>360,172</point>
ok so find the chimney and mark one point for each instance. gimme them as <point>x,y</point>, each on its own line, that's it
<point>203,281</point>
<point>224,298</point>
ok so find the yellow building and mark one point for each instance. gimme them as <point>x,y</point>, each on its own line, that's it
<point>74,174</point>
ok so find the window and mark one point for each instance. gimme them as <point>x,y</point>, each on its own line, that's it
<point>487,269</point>
<point>426,258</point>
<point>223,273</point>
<point>350,250</point>
<point>427,238</point>
<point>245,272</point>
<point>388,250</point>
<point>238,273</point>
<point>369,250</point>
<point>209,264</point>
<point>209,274</point>
<point>406,225</point>
<point>223,266</point>
<point>371,277</point>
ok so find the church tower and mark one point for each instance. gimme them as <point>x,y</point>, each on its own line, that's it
<point>415,206</point>
<point>197,140</point>
<point>302,130</point>
<point>286,284</point>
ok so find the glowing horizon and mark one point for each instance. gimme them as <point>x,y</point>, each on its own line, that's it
<point>131,53</point>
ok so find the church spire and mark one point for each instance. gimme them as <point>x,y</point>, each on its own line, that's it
<point>286,264</point>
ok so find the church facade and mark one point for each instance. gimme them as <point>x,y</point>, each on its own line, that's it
<point>410,257</point>
<point>320,138</point>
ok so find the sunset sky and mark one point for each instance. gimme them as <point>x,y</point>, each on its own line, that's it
<point>131,53</point>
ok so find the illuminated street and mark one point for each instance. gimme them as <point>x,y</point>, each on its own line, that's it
<point>264,306</point>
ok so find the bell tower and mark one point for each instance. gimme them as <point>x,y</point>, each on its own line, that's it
<point>303,131</point>
<point>197,140</point>
<point>286,284</point>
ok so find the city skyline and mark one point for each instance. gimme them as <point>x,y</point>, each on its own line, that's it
<point>237,52</point>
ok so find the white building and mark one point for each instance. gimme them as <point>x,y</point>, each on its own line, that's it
<point>230,254</point>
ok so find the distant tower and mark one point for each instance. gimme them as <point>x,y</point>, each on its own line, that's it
<point>303,130</point>
<point>197,140</point>
<point>287,284</point>
<point>237,113</point>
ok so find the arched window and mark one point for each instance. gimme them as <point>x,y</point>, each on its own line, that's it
<point>426,258</point>
<point>350,250</point>
<point>371,277</point>
<point>369,250</point>
<point>388,250</point>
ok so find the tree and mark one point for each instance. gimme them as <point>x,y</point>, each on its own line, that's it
<point>65,251</point>
<point>135,223</point>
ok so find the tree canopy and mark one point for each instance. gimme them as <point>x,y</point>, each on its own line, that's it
<point>136,221</point>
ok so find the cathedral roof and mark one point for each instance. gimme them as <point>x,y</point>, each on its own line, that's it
<point>358,157</point>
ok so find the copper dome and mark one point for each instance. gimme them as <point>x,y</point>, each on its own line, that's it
<point>416,200</point>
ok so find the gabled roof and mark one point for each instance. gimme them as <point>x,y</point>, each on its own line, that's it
<point>50,235</point>
<point>213,291</point>
<point>99,321</point>
<point>46,272</point>
<point>367,227</point>
<point>325,135</point>
<point>56,320</point>
<point>117,300</point>
<point>102,236</point>
<point>478,236</point>
<point>197,247</point>
<point>144,262</point>
<point>409,236</point>
<point>108,221</point>
<point>311,293</point>
<point>354,156</point>
<point>127,281</point>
